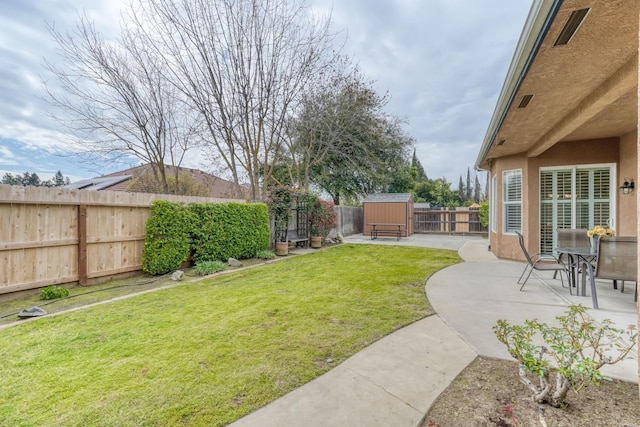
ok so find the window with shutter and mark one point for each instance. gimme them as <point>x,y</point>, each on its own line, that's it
<point>512,200</point>
<point>576,197</point>
<point>494,196</point>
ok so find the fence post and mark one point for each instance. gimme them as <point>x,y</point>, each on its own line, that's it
<point>82,245</point>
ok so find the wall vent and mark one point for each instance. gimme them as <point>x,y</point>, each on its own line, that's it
<point>571,26</point>
<point>525,101</point>
<point>501,142</point>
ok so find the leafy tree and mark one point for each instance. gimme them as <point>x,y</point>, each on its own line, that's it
<point>461,189</point>
<point>442,195</point>
<point>421,175</point>
<point>59,180</point>
<point>477,191</point>
<point>11,180</point>
<point>468,188</point>
<point>32,179</point>
<point>422,191</point>
<point>343,142</point>
<point>403,179</point>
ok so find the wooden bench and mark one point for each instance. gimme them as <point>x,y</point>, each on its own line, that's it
<point>294,238</point>
<point>386,230</point>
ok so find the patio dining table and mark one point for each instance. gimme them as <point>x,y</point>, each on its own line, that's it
<point>578,256</point>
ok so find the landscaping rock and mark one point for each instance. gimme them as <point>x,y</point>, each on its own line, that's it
<point>335,237</point>
<point>177,275</point>
<point>234,262</point>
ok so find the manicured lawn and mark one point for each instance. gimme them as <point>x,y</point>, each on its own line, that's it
<point>210,352</point>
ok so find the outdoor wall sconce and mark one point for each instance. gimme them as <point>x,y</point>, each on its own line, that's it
<point>627,186</point>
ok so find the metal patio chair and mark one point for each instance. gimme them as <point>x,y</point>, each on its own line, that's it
<point>617,260</point>
<point>540,262</point>
<point>571,238</point>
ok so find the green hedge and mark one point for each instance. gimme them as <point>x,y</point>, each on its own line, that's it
<point>213,231</point>
<point>221,231</point>
<point>166,242</point>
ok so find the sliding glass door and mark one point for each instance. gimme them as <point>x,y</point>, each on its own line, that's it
<point>574,197</point>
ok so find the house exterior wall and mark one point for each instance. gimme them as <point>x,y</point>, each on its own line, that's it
<point>627,203</point>
<point>506,245</point>
<point>619,151</point>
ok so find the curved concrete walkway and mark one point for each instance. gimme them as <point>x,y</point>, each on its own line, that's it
<point>394,381</point>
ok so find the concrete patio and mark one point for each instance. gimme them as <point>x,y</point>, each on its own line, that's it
<point>471,296</point>
<point>395,381</point>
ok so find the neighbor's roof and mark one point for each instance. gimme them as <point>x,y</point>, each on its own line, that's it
<point>119,181</point>
<point>388,198</point>
<point>95,184</point>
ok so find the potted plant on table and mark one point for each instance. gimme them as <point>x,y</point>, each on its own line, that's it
<point>321,220</point>
<point>598,231</point>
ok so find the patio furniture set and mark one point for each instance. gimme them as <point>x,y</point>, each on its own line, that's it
<point>608,258</point>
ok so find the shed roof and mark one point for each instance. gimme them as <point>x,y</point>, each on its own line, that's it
<point>388,198</point>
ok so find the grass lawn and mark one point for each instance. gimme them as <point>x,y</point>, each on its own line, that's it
<point>210,352</point>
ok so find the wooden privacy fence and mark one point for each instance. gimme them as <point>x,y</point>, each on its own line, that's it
<point>54,236</point>
<point>350,220</point>
<point>450,221</point>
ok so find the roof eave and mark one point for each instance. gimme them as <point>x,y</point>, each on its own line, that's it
<point>535,28</point>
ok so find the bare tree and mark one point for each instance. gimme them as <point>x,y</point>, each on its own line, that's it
<point>241,64</point>
<point>114,96</point>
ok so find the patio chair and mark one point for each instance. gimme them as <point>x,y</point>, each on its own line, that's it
<point>571,238</point>
<point>617,260</point>
<point>540,262</point>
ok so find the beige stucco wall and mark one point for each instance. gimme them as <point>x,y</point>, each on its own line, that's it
<point>627,204</point>
<point>506,245</point>
<point>569,153</point>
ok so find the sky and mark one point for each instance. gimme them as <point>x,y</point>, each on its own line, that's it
<point>442,62</point>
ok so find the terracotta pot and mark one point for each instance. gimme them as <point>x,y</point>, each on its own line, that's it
<point>316,242</point>
<point>282,248</point>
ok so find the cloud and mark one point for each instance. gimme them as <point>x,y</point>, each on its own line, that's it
<point>441,61</point>
<point>24,43</point>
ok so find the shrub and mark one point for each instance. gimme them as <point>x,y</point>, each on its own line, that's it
<point>265,254</point>
<point>166,242</point>
<point>484,214</point>
<point>204,268</point>
<point>230,230</point>
<point>323,218</point>
<point>579,347</point>
<point>53,292</point>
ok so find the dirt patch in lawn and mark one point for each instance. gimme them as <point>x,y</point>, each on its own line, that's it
<point>489,393</point>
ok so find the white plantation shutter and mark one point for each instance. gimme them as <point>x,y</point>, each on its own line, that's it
<point>512,200</point>
<point>592,197</point>
<point>494,197</point>
<point>556,206</point>
<point>589,188</point>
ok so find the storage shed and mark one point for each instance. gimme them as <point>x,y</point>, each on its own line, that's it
<point>388,211</point>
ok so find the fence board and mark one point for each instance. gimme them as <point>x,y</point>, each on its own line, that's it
<point>350,219</point>
<point>41,241</point>
<point>454,221</point>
